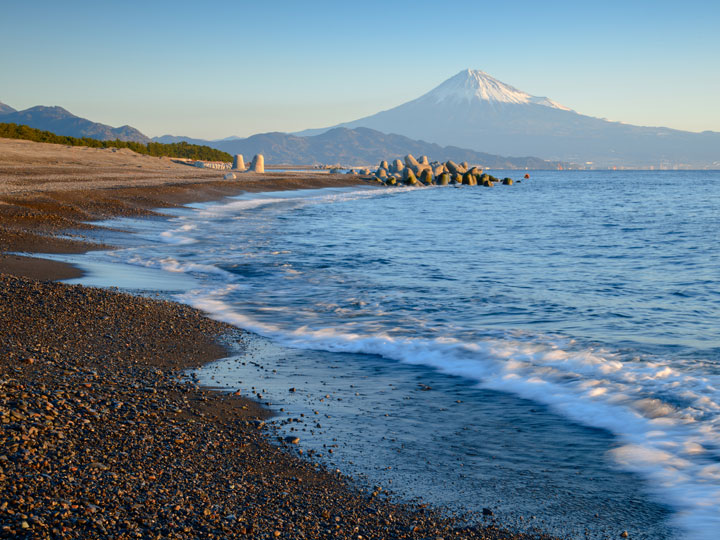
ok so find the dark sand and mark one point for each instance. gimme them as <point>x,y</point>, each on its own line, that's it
<point>100,437</point>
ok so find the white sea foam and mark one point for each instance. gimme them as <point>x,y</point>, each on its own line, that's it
<point>674,447</point>
<point>235,207</point>
<point>179,236</point>
<point>246,202</point>
<point>170,264</point>
<point>666,416</point>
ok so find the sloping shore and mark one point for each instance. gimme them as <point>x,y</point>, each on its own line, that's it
<point>101,438</point>
<point>46,189</point>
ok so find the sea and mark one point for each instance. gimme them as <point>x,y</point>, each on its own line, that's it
<point>548,352</point>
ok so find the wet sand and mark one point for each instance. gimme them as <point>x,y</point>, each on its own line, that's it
<point>101,436</point>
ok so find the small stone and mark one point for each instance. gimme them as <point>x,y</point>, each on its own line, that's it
<point>487,512</point>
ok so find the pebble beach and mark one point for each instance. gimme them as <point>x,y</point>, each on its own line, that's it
<point>102,435</point>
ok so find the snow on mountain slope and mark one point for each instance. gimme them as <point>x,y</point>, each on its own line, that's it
<point>469,85</point>
<point>474,110</point>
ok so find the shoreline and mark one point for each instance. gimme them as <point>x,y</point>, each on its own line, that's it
<point>91,184</point>
<point>101,436</point>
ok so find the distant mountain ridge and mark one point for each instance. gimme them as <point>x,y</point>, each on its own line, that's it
<point>360,146</point>
<point>474,110</point>
<point>6,109</point>
<point>62,122</point>
<point>169,139</point>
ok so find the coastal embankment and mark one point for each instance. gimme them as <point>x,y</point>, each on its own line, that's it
<point>102,435</point>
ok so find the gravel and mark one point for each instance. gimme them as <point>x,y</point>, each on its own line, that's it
<point>102,436</point>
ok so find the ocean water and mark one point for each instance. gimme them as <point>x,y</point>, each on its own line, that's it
<point>549,350</point>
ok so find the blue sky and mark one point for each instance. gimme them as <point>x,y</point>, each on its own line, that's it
<point>214,69</point>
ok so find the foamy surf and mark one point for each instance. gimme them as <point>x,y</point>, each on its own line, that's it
<point>254,201</point>
<point>675,447</point>
<point>610,331</point>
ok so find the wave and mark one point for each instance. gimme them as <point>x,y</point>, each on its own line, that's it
<point>665,414</point>
<point>668,436</point>
<point>170,264</point>
<point>301,197</point>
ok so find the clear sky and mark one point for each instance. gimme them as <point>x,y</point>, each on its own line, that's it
<point>213,69</point>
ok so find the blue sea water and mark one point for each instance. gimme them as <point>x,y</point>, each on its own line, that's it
<point>550,350</point>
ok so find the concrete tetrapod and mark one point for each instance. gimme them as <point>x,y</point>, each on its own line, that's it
<point>426,177</point>
<point>409,178</point>
<point>443,179</point>
<point>452,167</point>
<point>468,179</point>
<point>412,163</point>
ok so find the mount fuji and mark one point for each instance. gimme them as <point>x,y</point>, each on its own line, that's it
<point>474,110</point>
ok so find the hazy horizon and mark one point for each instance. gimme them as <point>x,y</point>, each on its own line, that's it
<point>236,68</point>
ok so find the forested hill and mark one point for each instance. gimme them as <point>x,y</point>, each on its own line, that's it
<point>178,150</point>
<point>63,122</point>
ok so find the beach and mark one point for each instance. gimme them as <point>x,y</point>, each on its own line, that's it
<point>102,436</point>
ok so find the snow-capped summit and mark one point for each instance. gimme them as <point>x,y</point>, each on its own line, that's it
<point>471,84</point>
<point>474,110</point>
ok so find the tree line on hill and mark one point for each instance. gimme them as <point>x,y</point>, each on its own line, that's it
<point>177,150</point>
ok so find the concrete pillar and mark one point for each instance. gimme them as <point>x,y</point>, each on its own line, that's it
<point>258,164</point>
